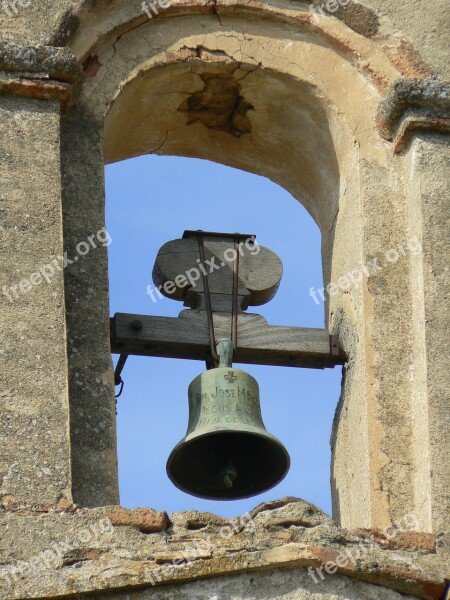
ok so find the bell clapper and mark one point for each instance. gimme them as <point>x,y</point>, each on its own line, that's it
<point>225,352</point>
<point>229,474</point>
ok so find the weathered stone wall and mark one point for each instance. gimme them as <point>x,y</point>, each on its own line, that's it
<point>34,432</point>
<point>281,550</point>
<point>91,381</point>
<point>428,184</point>
<point>423,26</point>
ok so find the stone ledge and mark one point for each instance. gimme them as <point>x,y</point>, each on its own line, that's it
<point>402,539</point>
<point>40,90</point>
<point>42,72</point>
<point>49,61</point>
<point>145,519</point>
<point>412,125</point>
<point>411,105</point>
<point>67,550</point>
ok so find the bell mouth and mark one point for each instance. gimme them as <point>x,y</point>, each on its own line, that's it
<point>228,465</point>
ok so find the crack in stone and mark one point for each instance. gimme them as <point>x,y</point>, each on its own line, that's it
<point>160,145</point>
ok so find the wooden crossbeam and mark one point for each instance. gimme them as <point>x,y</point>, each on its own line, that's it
<point>187,337</point>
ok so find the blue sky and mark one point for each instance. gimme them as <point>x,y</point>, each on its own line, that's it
<point>151,200</point>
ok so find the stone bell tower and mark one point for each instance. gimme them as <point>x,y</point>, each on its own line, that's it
<point>343,103</point>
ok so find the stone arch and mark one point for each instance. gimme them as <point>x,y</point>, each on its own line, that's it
<point>314,133</point>
<point>372,44</point>
<point>289,120</point>
<point>324,123</point>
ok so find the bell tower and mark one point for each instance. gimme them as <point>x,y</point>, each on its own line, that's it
<point>344,104</point>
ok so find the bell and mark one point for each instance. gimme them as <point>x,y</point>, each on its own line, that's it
<point>227,454</point>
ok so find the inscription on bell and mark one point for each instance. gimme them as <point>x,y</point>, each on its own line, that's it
<point>246,410</point>
<point>239,393</point>
<point>222,398</point>
<point>231,419</point>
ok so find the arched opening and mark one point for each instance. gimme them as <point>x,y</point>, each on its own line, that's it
<point>265,123</point>
<point>166,195</point>
<point>202,89</point>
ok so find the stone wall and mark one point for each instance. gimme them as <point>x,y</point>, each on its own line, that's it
<point>282,550</point>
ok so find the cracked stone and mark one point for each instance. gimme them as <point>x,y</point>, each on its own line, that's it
<point>219,105</point>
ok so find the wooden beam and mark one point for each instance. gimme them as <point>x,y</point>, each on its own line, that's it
<point>187,337</point>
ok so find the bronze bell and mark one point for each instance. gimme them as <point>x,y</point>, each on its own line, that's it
<point>227,454</point>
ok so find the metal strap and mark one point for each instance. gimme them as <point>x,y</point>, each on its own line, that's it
<point>212,338</point>
<point>234,314</point>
